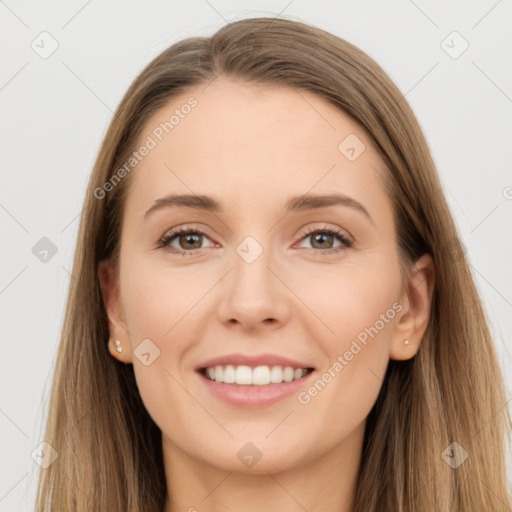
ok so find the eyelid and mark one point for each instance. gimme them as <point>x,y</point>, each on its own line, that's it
<point>346,240</point>
<point>327,227</point>
<point>187,227</point>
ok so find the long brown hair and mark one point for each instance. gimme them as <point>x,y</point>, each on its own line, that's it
<point>109,449</point>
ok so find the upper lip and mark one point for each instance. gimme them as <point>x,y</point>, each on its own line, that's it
<point>253,361</point>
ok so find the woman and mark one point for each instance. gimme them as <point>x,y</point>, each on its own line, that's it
<point>271,308</point>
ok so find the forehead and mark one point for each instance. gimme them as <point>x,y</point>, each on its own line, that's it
<point>253,144</point>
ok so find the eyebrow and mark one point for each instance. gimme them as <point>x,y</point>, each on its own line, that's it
<point>295,204</point>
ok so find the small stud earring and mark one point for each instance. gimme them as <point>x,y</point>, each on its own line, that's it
<point>117,344</point>
<point>407,342</point>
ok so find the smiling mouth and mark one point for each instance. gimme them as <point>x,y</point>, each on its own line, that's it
<point>244,375</point>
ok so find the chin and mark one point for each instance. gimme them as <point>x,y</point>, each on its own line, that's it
<point>257,458</point>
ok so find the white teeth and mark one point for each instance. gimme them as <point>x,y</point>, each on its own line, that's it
<point>229,374</point>
<point>288,374</point>
<point>259,376</point>
<point>243,375</point>
<point>276,375</point>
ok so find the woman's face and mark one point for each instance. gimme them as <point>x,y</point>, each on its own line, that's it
<point>271,275</point>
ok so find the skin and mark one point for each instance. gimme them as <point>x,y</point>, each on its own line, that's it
<point>252,148</point>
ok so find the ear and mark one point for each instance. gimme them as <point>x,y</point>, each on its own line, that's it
<point>116,321</point>
<point>416,301</point>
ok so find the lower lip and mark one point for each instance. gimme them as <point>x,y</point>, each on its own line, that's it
<point>254,396</point>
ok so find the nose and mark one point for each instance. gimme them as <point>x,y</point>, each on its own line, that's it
<point>252,294</point>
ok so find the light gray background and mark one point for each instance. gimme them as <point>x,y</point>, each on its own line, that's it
<point>55,112</point>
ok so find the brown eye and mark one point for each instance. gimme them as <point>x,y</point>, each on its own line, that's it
<point>324,240</point>
<point>321,240</point>
<point>190,241</point>
<point>184,241</point>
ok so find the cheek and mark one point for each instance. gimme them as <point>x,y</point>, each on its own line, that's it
<point>157,306</point>
<point>350,300</point>
<point>339,400</point>
<point>157,301</point>
<point>360,308</point>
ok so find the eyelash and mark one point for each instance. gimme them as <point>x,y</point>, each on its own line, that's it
<point>170,236</point>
